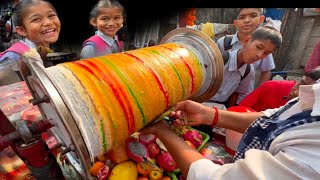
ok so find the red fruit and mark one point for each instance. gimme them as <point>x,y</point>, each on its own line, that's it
<point>153,150</point>
<point>136,150</point>
<point>166,161</point>
<point>104,173</point>
<point>190,144</point>
<point>193,136</point>
<point>147,138</point>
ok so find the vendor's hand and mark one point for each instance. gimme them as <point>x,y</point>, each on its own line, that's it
<point>155,128</point>
<point>190,113</point>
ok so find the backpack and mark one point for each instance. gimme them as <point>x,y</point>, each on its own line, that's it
<point>100,45</point>
<point>225,54</point>
<point>17,47</point>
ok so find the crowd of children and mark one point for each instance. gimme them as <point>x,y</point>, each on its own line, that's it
<point>291,132</point>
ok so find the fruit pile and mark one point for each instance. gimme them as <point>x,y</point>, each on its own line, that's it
<point>144,157</point>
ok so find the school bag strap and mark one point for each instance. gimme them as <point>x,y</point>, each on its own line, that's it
<point>248,68</point>
<point>18,47</point>
<point>227,45</point>
<point>100,45</point>
<point>227,42</point>
<point>97,42</point>
<point>120,45</point>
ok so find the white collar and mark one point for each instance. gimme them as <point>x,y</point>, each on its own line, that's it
<point>233,63</point>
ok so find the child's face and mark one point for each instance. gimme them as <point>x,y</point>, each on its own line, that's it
<point>109,21</point>
<point>41,24</point>
<point>256,50</point>
<point>248,20</point>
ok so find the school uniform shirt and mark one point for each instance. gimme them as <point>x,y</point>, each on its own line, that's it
<point>232,80</point>
<point>294,154</point>
<point>88,50</point>
<point>271,94</point>
<point>266,64</point>
<point>10,59</point>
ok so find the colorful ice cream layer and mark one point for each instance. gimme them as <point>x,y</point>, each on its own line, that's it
<point>115,95</point>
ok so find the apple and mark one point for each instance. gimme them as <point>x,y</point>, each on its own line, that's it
<point>153,150</point>
<point>155,175</point>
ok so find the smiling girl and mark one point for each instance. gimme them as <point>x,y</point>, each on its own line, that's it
<point>107,18</point>
<point>36,21</point>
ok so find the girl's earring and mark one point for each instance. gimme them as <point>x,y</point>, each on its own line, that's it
<point>121,25</point>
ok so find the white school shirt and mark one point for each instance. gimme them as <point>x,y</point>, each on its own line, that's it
<point>231,79</point>
<point>294,154</point>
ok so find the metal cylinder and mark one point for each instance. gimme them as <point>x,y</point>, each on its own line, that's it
<point>99,102</point>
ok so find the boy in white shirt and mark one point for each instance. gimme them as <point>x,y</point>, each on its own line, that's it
<point>238,73</point>
<point>248,20</point>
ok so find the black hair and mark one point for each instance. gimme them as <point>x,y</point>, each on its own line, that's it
<point>261,11</point>
<point>314,73</point>
<point>19,10</point>
<point>267,33</point>
<point>105,4</point>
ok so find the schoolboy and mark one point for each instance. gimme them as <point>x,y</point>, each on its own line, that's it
<point>248,20</point>
<point>263,41</point>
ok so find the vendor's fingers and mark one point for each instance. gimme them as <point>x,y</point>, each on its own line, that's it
<point>180,122</point>
<point>177,122</point>
<point>149,129</point>
<point>176,114</point>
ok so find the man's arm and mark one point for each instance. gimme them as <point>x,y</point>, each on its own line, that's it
<point>232,100</point>
<point>265,66</point>
<point>264,76</point>
<point>183,154</point>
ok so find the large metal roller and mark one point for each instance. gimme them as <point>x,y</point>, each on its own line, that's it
<point>97,103</point>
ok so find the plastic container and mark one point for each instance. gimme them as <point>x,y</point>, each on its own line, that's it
<point>232,140</point>
<point>172,175</point>
<point>205,138</point>
<point>232,137</point>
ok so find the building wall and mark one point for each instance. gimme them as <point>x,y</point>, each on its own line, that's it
<point>314,37</point>
<point>216,15</point>
<point>300,34</point>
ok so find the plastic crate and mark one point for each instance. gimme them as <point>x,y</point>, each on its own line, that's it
<point>205,138</point>
<point>172,175</point>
